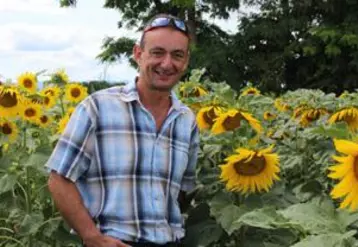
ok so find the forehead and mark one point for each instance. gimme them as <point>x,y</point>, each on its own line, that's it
<point>167,38</point>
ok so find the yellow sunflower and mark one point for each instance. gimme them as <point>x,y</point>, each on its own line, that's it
<point>311,115</point>
<point>249,171</point>
<point>31,112</point>
<point>251,91</point>
<point>346,171</point>
<point>28,81</point>
<point>44,121</point>
<point>348,115</point>
<point>281,106</point>
<point>10,101</point>
<point>51,91</point>
<point>9,130</point>
<point>195,91</point>
<point>75,92</point>
<point>48,101</point>
<point>205,117</point>
<point>231,120</point>
<point>60,77</point>
<point>62,124</point>
<point>70,110</point>
<point>269,116</point>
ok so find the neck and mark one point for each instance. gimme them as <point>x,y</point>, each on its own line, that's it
<point>152,98</point>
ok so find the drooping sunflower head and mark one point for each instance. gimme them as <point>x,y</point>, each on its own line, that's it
<point>31,112</point>
<point>188,90</point>
<point>311,115</point>
<point>75,92</point>
<point>10,101</point>
<point>269,116</point>
<point>348,115</point>
<point>28,82</point>
<point>346,171</point>
<point>60,77</point>
<point>8,131</point>
<point>231,120</point>
<point>249,171</point>
<point>281,106</point>
<point>206,116</point>
<point>48,101</point>
<point>251,91</point>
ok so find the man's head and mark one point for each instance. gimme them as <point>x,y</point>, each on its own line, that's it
<point>163,53</point>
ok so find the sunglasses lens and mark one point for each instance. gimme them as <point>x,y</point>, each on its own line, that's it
<point>160,22</point>
<point>180,24</point>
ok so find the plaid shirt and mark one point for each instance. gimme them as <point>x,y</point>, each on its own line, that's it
<point>128,174</point>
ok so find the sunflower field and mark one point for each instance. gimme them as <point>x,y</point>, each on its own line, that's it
<point>273,171</point>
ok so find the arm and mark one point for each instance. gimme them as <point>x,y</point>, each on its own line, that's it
<point>69,203</point>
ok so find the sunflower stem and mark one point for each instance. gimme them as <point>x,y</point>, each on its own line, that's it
<point>62,107</point>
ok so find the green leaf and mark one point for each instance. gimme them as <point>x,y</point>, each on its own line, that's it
<point>31,224</point>
<point>202,234</point>
<point>7,183</point>
<point>314,219</point>
<point>326,240</point>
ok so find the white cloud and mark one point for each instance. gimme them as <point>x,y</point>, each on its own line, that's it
<point>28,6</point>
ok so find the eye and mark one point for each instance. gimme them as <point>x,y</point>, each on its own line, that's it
<point>178,55</point>
<point>157,53</point>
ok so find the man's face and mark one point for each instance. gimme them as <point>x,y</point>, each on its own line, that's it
<point>163,59</point>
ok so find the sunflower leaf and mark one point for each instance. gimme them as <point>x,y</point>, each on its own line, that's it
<point>327,240</point>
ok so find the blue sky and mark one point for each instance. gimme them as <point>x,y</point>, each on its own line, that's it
<point>38,35</point>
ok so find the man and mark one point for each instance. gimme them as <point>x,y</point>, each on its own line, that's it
<point>128,153</point>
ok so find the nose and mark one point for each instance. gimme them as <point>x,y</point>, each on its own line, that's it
<point>167,61</point>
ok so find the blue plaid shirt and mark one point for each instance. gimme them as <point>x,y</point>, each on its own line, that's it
<point>129,175</point>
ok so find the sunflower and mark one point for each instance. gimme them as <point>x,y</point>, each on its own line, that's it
<point>70,110</point>
<point>281,106</point>
<point>251,91</point>
<point>311,115</point>
<point>348,115</point>
<point>195,91</point>
<point>10,101</point>
<point>62,124</point>
<point>249,171</point>
<point>75,92</point>
<point>28,81</point>
<point>269,116</point>
<point>60,77</point>
<point>31,112</point>
<point>231,120</point>
<point>51,91</point>
<point>44,120</point>
<point>205,117</point>
<point>9,130</point>
<point>48,101</point>
<point>347,172</point>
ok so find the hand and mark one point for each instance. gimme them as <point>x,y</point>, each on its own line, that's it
<point>104,241</point>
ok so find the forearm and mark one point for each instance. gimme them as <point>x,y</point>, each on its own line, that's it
<point>69,203</point>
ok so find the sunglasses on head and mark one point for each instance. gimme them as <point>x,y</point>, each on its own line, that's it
<point>167,21</point>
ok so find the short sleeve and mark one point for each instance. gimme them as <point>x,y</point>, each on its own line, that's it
<point>72,154</point>
<point>188,181</point>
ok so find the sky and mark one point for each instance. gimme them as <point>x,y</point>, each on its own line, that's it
<point>38,35</point>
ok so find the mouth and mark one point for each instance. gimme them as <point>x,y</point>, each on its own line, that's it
<point>163,74</point>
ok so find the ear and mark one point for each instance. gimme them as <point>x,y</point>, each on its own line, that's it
<point>137,53</point>
<point>187,61</point>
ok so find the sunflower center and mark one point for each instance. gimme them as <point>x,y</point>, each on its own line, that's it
<point>44,119</point>
<point>209,116</point>
<point>47,100</point>
<point>30,112</point>
<point>6,129</point>
<point>75,92</point>
<point>231,123</point>
<point>8,100</point>
<point>50,92</point>
<point>250,168</point>
<point>28,83</point>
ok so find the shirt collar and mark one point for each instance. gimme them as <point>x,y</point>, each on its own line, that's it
<point>129,93</point>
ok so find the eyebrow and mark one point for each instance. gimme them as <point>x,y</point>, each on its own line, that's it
<point>162,49</point>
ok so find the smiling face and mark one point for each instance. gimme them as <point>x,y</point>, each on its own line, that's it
<point>162,59</point>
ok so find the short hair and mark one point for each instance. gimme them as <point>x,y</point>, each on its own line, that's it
<point>142,39</point>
